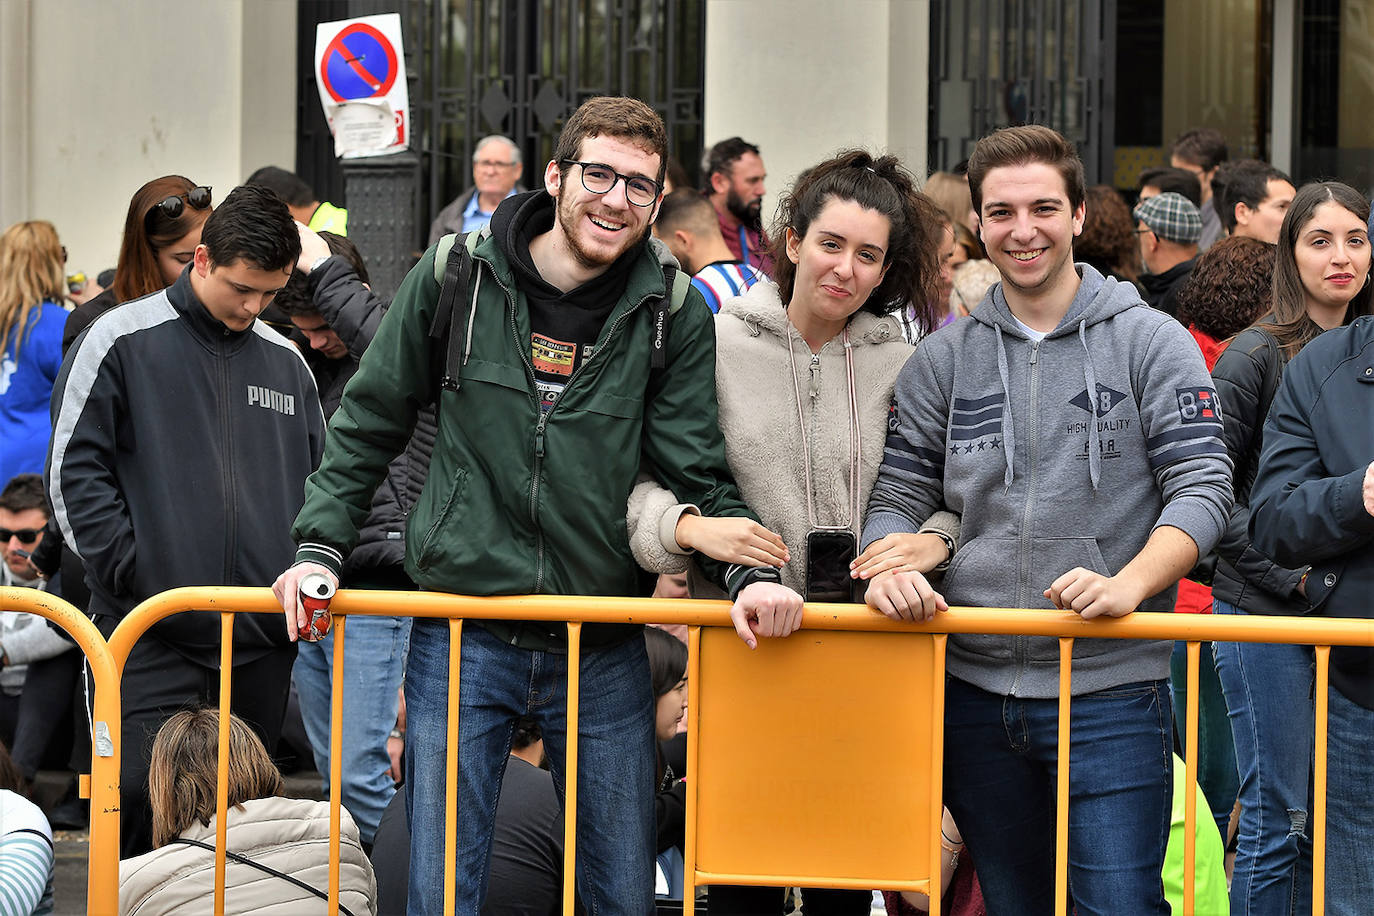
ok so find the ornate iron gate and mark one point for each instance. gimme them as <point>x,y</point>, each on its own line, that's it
<point>996,63</point>
<point>517,67</point>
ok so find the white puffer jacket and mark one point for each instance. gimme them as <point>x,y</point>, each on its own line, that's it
<point>290,835</point>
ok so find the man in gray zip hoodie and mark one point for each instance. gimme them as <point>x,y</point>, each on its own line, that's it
<point>1077,432</point>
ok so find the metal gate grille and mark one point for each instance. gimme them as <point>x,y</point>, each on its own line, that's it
<point>520,67</point>
<point>997,63</point>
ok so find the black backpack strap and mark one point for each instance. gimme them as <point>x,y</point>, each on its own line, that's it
<point>453,312</point>
<point>675,286</point>
<point>244,860</point>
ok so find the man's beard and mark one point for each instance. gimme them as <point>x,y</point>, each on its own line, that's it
<point>568,218</point>
<point>750,214</point>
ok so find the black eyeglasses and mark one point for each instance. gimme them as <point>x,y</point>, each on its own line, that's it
<point>599,179</point>
<point>25,535</point>
<point>172,207</point>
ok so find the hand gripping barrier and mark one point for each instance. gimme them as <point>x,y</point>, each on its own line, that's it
<point>786,785</point>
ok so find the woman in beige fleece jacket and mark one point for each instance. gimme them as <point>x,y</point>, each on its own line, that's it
<point>855,241</point>
<point>805,372</point>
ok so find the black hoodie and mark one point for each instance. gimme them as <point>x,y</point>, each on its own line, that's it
<point>563,326</point>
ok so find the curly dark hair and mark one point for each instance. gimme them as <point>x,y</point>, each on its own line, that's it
<point>1230,286</point>
<point>1108,240</point>
<point>880,184</point>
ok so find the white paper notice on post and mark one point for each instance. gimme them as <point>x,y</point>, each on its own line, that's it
<point>360,72</point>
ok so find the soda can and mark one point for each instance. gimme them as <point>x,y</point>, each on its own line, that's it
<point>315,592</point>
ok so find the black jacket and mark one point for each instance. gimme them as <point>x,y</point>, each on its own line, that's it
<point>1244,576</point>
<point>1307,505</point>
<point>1161,290</point>
<point>353,312</point>
<point>179,456</point>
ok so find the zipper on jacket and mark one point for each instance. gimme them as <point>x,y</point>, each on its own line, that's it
<point>544,415</point>
<point>523,350</point>
<point>227,478</point>
<point>1020,644</point>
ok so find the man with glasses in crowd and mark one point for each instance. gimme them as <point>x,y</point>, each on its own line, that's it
<point>496,171</point>
<point>553,404</point>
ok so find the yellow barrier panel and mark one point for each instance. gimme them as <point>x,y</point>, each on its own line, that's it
<point>102,885</point>
<point>709,827</point>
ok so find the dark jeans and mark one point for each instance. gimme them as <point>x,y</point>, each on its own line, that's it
<point>159,682</point>
<point>1001,764</point>
<point>38,725</point>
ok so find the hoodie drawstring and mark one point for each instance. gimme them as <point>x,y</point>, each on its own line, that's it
<point>472,316</point>
<point>1008,431</point>
<point>1090,379</point>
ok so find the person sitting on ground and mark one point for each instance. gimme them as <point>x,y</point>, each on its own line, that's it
<point>277,849</point>
<point>300,199</point>
<point>687,224</point>
<point>668,670</point>
<point>526,842</point>
<point>33,708</point>
<point>26,850</point>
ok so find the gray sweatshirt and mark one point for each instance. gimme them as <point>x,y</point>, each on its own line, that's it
<point>1003,431</point>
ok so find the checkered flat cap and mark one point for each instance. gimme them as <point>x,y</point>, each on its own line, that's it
<point>1172,217</point>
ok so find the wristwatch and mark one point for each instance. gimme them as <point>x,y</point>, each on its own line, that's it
<point>316,264</point>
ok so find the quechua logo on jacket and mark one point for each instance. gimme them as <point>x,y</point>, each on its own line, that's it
<point>975,424</point>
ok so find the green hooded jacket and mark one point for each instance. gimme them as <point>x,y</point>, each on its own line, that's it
<point>519,502</point>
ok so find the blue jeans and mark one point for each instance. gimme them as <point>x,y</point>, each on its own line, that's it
<point>374,662</point>
<point>1349,816</point>
<point>1001,760</point>
<point>1268,691</point>
<point>615,820</point>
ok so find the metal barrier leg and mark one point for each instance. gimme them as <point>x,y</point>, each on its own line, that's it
<point>455,659</point>
<point>937,768</point>
<point>570,768</point>
<point>1191,753</point>
<point>1323,690</point>
<point>336,694</point>
<point>689,865</point>
<point>1061,814</point>
<point>226,686</point>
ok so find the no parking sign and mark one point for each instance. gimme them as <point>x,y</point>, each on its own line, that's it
<point>360,70</point>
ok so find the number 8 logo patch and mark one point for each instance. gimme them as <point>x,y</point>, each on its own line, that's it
<point>1198,405</point>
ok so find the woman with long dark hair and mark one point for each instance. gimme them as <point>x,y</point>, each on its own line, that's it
<point>1321,281</point>
<point>161,232</point>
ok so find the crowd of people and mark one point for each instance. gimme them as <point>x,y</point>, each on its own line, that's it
<point>994,387</point>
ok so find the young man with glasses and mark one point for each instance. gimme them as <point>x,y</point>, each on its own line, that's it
<point>496,171</point>
<point>555,406</point>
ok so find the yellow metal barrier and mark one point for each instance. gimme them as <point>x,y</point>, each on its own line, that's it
<point>720,668</point>
<point>102,785</point>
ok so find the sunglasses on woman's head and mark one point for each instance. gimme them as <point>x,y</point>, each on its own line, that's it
<point>172,207</point>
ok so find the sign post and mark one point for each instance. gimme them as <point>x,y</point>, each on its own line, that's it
<point>360,71</point>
